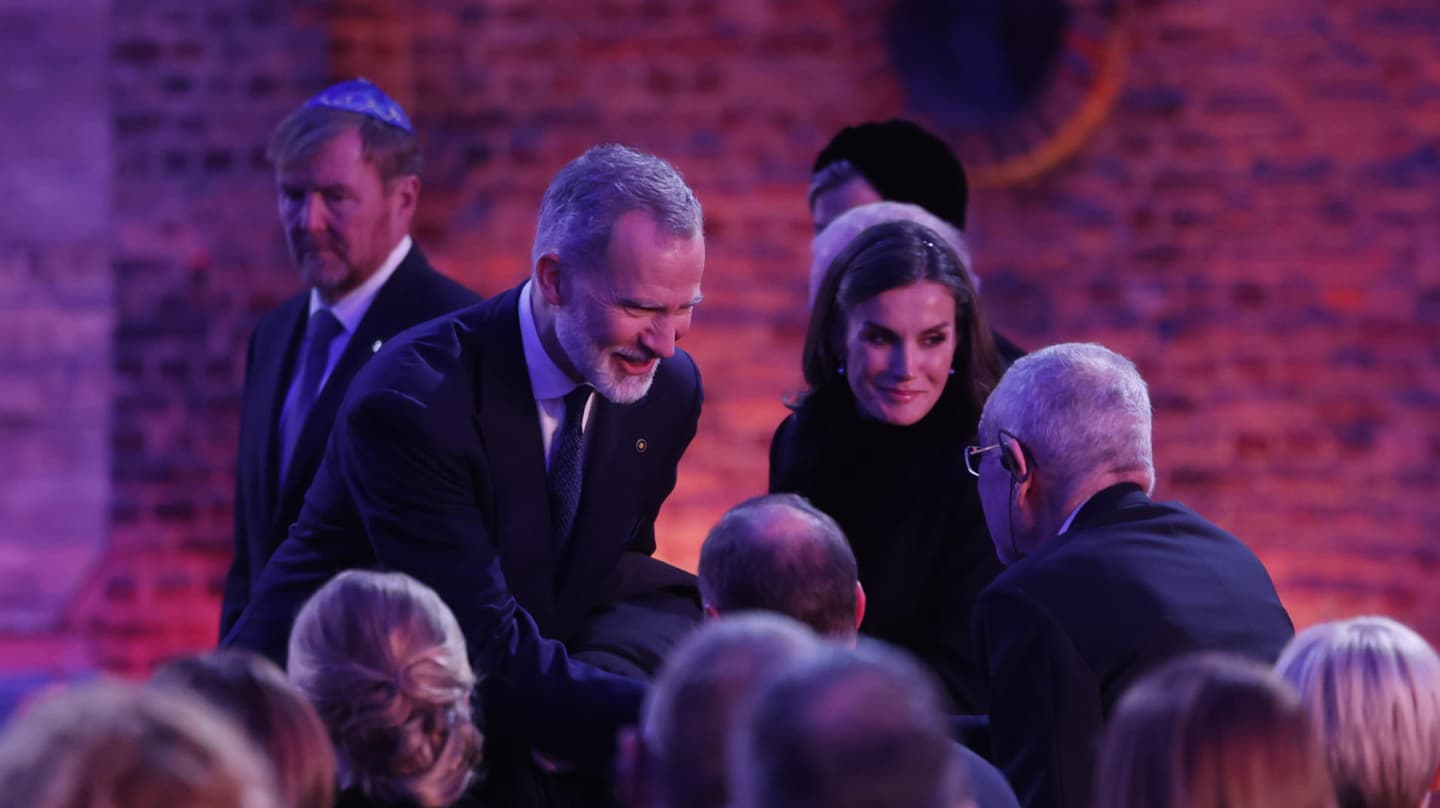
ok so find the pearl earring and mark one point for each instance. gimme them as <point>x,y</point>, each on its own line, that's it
<point>841,370</point>
<point>952,371</point>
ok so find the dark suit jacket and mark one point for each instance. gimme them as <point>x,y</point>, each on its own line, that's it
<point>1064,632</point>
<point>436,468</point>
<point>912,516</point>
<point>264,508</point>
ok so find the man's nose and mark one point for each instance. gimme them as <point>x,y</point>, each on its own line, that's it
<point>660,338</point>
<point>312,213</point>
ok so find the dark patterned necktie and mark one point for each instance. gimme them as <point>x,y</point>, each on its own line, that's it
<point>566,472</point>
<point>315,355</point>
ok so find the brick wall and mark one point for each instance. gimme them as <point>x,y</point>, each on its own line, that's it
<point>1253,224</point>
<point>56,320</point>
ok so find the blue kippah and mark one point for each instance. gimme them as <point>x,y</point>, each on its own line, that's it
<point>362,96</point>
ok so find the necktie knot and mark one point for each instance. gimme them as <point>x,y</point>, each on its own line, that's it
<point>575,402</point>
<point>324,326</point>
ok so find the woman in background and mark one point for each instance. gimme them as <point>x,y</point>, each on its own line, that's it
<point>899,361</point>
<point>255,694</point>
<point>383,660</point>
<point>1212,731</point>
<point>1372,686</point>
<point>113,745</point>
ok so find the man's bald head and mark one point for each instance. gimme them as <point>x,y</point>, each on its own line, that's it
<point>779,553</point>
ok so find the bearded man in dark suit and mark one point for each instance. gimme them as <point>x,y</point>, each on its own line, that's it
<point>514,456</point>
<point>1102,583</point>
<point>347,167</point>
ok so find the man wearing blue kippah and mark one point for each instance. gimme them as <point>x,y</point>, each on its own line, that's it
<point>347,167</point>
<point>513,456</point>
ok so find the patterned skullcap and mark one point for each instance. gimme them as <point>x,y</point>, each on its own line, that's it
<point>362,96</point>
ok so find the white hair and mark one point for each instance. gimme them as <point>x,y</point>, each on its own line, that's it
<point>831,241</point>
<point>1373,687</point>
<point>1080,409</point>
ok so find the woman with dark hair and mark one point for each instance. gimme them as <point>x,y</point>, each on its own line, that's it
<point>899,361</point>
<point>253,692</point>
<point>1212,731</point>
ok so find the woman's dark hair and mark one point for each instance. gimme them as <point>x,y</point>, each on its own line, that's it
<point>892,256</point>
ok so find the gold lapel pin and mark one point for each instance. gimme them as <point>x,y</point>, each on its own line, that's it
<point>375,347</point>
<point>641,445</point>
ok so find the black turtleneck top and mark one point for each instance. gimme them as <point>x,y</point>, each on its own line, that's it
<point>912,515</point>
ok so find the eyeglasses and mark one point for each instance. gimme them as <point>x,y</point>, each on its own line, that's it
<point>972,457</point>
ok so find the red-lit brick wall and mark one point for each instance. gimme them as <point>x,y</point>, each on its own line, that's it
<point>1255,224</point>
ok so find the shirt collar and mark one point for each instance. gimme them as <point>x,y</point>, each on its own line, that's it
<point>351,308</point>
<point>547,380</point>
<point>1065,526</point>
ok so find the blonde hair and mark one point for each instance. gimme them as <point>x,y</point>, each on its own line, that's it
<point>1373,687</point>
<point>253,692</point>
<point>382,658</point>
<point>110,744</point>
<point>1212,731</point>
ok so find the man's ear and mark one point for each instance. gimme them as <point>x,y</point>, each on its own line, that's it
<point>711,613</point>
<point>859,605</point>
<point>550,278</point>
<point>404,193</point>
<point>1014,459</point>
<point>632,788</point>
<point>1435,783</point>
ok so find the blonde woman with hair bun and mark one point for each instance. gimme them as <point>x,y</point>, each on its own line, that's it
<point>382,658</point>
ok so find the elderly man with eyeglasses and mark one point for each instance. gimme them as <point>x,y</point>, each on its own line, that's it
<point>1102,583</point>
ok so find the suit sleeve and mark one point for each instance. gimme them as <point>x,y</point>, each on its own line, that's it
<point>966,564</point>
<point>414,490</point>
<point>1045,711</point>
<point>237,580</point>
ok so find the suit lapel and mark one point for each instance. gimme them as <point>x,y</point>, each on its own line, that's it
<point>384,319</point>
<point>274,363</point>
<point>510,428</point>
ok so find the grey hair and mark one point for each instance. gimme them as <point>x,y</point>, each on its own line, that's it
<point>111,743</point>
<point>693,708</point>
<point>847,729</point>
<point>779,553</point>
<point>383,660</point>
<point>1080,409</point>
<point>1373,687</point>
<point>837,235</point>
<point>579,209</point>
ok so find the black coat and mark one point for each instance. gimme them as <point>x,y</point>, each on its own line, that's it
<point>912,515</point>
<point>1065,631</point>
<point>264,509</point>
<point>436,468</point>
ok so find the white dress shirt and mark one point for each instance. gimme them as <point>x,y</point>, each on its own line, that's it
<point>548,383</point>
